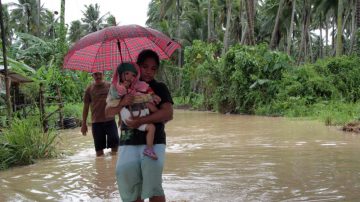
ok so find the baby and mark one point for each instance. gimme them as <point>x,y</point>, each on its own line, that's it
<point>126,81</point>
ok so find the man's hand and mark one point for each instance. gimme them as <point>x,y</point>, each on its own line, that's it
<point>156,99</point>
<point>134,122</point>
<point>84,128</point>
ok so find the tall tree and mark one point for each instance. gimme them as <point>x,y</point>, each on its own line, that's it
<point>274,36</point>
<point>291,29</point>
<point>353,26</point>
<point>7,80</point>
<point>178,13</point>
<point>250,13</point>
<point>227,28</point>
<point>209,23</point>
<point>76,31</point>
<point>62,45</point>
<point>92,19</point>
<point>357,13</point>
<point>303,51</point>
<point>339,44</point>
<point>24,16</point>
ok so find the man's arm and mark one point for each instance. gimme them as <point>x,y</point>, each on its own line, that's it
<point>85,113</point>
<point>164,114</point>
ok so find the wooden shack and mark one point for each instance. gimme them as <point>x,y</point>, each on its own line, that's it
<point>15,79</point>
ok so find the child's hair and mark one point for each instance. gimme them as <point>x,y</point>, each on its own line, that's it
<point>147,53</point>
<point>125,66</point>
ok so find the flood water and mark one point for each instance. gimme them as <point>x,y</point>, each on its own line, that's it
<point>210,157</point>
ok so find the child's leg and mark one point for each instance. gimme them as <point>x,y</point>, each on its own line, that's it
<point>150,133</point>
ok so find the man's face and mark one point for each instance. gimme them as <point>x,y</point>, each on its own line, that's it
<point>98,77</point>
<point>148,69</point>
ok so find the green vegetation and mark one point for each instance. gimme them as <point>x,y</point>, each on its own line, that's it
<point>24,142</point>
<point>255,80</point>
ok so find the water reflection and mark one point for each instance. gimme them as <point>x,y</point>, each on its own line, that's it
<point>210,157</point>
<point>104,182</point>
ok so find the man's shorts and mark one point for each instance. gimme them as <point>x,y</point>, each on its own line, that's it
<point>139,176</point>
<point>105,135</point>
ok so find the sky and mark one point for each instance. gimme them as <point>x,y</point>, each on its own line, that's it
<point>125,11</point>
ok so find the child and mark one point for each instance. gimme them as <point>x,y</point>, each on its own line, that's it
<point>126,81</point>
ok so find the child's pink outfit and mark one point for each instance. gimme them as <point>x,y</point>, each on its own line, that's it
<point>142,93</point>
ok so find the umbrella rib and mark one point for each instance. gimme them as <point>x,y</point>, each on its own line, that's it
<point>97,52</point>
<point>128,52</point>
<point>152,39</point>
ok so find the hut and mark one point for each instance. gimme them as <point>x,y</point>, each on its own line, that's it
<point>16,79</point>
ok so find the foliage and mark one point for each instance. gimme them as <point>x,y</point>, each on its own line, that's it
<point>24,142</point>
<point>33,50</point>
<point>249,78</point>
<point>200,74</point>
<point>72,84</point>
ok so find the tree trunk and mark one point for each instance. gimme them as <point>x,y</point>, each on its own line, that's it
<point>333,34</point>
<point>290,34</point>
<point>227,31</point>
<point>239,37</point>
<point>346,18</point>
<point>244,27</point>
<point>321,37</point>
<point>274,36</point>
<point>38,18</point>
<point>6,73</point>
<point>178,33</point>
<point>357,13</point>
<point>339,45</point>
<point>311,55</point>
<point>326,36</point>
<point>304,32</point>
<point>209,24</point>
<point>250,9</point>
<point>244,35</point>
<point>62,33</point>
<point>353,27</point>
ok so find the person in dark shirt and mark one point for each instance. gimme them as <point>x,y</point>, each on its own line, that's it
<point>138,176</point>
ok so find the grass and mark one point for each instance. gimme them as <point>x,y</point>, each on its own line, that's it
<point>24,142</point>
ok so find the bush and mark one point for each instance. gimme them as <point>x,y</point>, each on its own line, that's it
<point>24,142</point>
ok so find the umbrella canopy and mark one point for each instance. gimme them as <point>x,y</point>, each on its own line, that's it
<point>106,48</point>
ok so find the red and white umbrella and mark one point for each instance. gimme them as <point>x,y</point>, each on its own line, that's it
<point>106,48</point>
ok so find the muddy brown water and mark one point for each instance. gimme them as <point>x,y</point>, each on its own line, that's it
<point>210,157</point>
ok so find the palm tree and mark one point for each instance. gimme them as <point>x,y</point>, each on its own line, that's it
<point>291,29</point>
<point>62,45</point>
<point>353,26</point>
<point>7,25</point>
<point>339,44</point>
<point>209,23</point>
<point>92,20</point>
<point>25,13</point>
<point>49,24</point>
<point>357,13</point>
<point>303,50</point>
<point>250,13</point>
<point>274,36</point>
<point>76,31</point>
<point>227,29</point>
<point>111,20</point>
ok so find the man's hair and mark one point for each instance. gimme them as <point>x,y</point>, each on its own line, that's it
<point>147,53</point>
